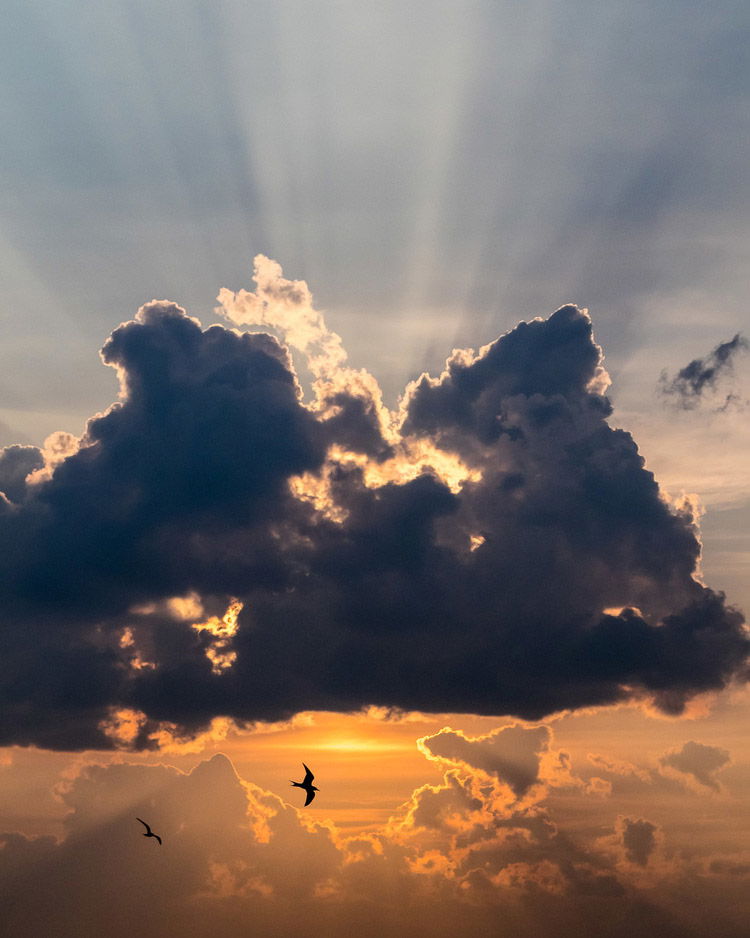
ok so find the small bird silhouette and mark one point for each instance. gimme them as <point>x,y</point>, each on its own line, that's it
<point>149,832</point>
<point>307,784</point>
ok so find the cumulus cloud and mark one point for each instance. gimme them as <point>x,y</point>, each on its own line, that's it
<point>701,376</point>
<point>16,463</point>
<point>461,554</point>
<point>698,762</point>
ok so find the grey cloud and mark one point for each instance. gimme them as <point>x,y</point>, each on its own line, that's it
<point>16,462</point>
<point>512,753</point>
<point>434,807</point>
<point>701,376</point>
<point>183,487</point>
<point>699,761</point>
<point>730,867</point>
<point>638,839</point>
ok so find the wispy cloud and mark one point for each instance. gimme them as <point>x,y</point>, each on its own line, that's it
<point>699,379</point>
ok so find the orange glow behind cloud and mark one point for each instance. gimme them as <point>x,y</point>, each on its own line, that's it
<point>223,630</point>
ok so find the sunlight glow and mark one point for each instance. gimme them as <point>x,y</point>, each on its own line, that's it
<point>137,661</point>
<point>361,744</point>
<point>220,652</point>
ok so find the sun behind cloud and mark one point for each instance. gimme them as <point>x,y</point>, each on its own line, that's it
<point>219,547</point>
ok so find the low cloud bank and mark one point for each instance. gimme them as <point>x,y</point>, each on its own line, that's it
<point>460,857</point>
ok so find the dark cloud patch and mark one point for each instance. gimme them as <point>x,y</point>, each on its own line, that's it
<point>354,424</point>
<point>638,839</point>
<point>473,561</point>
<point>208,433</point>
<point>727,867</point>
<point>698,761</point>
<point>16,463</point>
<point>545,362</point>
<point>702,375</point>
<point>512,754</point>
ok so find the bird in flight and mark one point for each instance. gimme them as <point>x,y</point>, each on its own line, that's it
<point>149,832</point>
<point>307,784</point>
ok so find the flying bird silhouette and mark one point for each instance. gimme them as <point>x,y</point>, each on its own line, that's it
<point>149,832</point>
<point>307,784</point>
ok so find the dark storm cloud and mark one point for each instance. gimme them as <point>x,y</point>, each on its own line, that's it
<point>210,429</point>
<point>497,594</point>
<point>702,375</point>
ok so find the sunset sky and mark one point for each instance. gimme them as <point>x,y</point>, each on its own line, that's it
<point>374,394</point>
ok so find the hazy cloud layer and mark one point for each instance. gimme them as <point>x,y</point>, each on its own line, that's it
<point>457,858</point>
<point>700,377</point>
<point>494,546</point>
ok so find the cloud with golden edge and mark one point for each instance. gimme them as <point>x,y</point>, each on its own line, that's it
<point>287,307</point>
<point>427,559</point>
<point>519,756</point>
<point>58,446</point>
<point>222,630</point>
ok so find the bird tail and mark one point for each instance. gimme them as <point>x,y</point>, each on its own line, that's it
<point>297,784</point>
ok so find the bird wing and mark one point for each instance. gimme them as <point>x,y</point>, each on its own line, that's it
<point>148,829</point>
<point>158,838</point>
<point>310,796</point>
<point>307,780</point>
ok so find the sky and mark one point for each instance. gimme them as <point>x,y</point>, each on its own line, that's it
<point>374,395</point>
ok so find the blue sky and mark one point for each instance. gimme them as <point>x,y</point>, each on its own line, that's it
<point>440,168</point>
